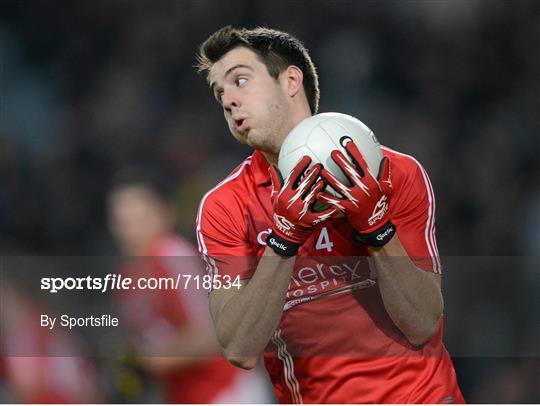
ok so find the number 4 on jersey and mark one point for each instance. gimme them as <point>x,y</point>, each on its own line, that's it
<point>323,242</point>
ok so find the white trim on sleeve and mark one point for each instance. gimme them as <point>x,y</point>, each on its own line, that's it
<point>429,232</point>
<point>211,265</point>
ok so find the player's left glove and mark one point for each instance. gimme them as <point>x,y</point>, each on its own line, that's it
<point>366,202</point>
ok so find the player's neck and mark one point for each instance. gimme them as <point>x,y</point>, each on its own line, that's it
<point>271,158</point>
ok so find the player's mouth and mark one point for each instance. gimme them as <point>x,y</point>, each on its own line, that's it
<point>241,124</point>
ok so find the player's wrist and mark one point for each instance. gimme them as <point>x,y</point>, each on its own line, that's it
<point>281,245</point>
<point>377,237</point>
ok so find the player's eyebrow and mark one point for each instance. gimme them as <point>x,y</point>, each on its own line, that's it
<point>228,72</point>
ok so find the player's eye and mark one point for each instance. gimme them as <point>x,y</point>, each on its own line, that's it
<point>240,81</point>
<point>219,96</point>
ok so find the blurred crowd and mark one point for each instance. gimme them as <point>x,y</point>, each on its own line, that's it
<point>90,88</point>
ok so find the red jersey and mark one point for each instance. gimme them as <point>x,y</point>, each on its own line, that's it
<point>335,342</point>
<point>40,366</point>
<point>155,316</point>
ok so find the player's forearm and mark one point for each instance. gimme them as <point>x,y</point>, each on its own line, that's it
<point>412,297</point>
<point>248,320</point>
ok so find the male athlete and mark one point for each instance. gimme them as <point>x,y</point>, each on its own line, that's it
<point>333,327</point>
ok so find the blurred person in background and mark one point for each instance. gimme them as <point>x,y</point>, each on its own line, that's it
<point>170,329</point>
<point>37,365</point>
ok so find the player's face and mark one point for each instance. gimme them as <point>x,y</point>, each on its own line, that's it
<point>255,105</point>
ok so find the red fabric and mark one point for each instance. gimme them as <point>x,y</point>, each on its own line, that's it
<point>156,315</point>
<point>335,341</point>
<point>40,366</point>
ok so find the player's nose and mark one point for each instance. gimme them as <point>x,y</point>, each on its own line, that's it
<point>230,100</point>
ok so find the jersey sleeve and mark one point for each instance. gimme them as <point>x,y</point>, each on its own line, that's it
<point>414,218</point>
<point>222,239</point>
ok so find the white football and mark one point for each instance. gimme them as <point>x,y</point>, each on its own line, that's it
<point>317,136</point>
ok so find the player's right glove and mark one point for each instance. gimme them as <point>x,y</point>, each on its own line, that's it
<point>293,201</point>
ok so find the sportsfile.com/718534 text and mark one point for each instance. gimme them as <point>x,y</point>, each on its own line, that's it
<point>119,282</point>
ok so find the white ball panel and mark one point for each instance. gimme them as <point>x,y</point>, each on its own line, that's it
<point>318,135</point>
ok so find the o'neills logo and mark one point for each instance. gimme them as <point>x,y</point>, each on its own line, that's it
<point>380,237</point>
<point>276,244</point>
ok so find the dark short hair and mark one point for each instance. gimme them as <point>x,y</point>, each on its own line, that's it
<point>276,49</point>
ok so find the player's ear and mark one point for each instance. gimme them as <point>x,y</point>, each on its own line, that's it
<point>293,78</point>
